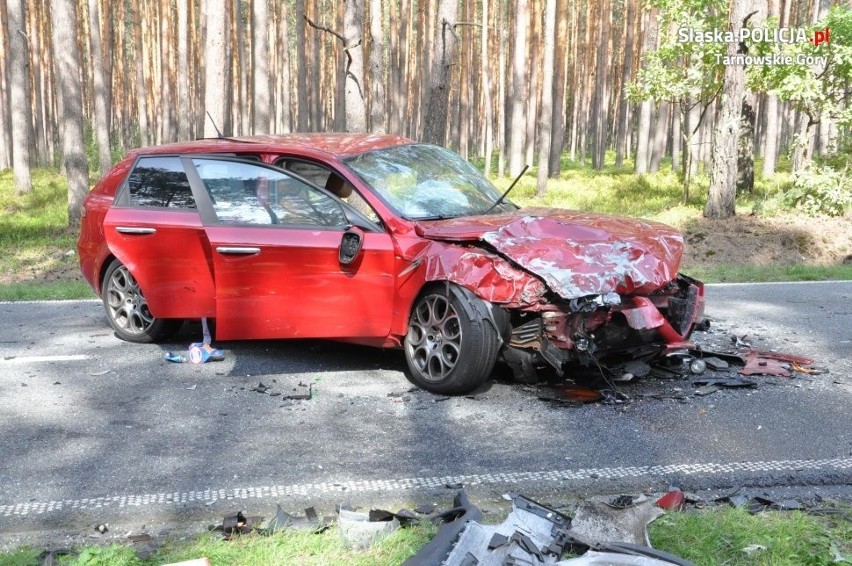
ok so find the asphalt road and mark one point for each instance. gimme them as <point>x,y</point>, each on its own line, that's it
<point>96,430</point>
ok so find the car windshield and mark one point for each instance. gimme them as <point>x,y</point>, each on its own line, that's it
<point>423,182</point>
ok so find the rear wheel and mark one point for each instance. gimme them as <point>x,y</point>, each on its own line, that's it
<point>450,347</point>
<point>127,310</point>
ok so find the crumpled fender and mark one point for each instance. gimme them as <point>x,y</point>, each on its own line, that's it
<point>487,275</point>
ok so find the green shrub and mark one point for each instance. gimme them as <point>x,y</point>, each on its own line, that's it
<point>821,189</point>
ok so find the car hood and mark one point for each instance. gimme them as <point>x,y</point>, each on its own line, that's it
<point>576,254</point>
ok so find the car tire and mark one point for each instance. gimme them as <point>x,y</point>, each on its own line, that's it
<point>451,346</point>
<point>127,310</point>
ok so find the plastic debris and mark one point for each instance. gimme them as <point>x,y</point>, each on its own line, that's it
<point>672,501</point>
<point>358,531</point>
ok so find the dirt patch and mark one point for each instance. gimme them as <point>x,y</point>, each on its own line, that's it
<point>777,240</point>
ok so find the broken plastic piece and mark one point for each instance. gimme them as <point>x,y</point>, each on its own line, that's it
<point>672,501</point>
<point>175,358</point>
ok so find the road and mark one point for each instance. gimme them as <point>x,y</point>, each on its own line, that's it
<point>97,430</point>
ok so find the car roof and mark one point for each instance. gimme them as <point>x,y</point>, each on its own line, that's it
<point>337,144</point>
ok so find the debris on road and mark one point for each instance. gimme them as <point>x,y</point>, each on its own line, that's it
<point>763,362</point>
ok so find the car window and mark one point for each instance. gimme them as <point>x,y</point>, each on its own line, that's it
<point>244,193</point>
<point>160,182</point>
<point>309,171</point>
<point>333,183</point>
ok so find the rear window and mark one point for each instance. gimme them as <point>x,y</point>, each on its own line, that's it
<point>160,182</point>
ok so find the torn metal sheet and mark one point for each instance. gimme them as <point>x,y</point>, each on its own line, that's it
<point>763,362</point>
<point>575,253</point>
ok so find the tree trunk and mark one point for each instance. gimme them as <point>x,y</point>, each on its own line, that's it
<point>139,57</point>
<point>283,116</point>
<point>215,92</point>
<point>260,66</point>
<point>501,93</point>
<point>486,90</point>
<point>67,59</point>
<point>534,80</point>
<point>378,108</point>
<point>5,111</point>
<point>601,103</point>
<point>167,72</point>
<point>547,100</point>
<point>661,134</point>
<point>19,99</point>
<point>356,111</point>
<point>302,70</point>
<point>101,113</point>
<point>557,128</point>
<point>183,117</point>
<point>723,173</point>
<point>622,130</point>
<point>519,91</point>
<point>643,142</point>
<point>435,130</point>
<point>745,146</point>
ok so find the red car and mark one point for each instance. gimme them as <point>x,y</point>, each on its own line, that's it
<point>377,240</point>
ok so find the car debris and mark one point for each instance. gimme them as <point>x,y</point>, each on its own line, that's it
<point>310,522</point>
<point>359,530</point>
<point>764,362</point>
<point>672,501</point>
<point>534,534</point>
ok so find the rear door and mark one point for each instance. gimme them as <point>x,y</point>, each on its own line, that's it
<point>275,242</point>
<point>155,229</point>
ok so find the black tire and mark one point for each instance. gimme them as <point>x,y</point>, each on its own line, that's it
<point>451,346</point>
<point>127,310</point>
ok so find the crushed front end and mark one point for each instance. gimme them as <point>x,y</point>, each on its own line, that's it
<point>604,331</point>
<point>580,288</point>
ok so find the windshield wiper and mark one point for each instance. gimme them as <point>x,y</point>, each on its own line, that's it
<point>512,186</point>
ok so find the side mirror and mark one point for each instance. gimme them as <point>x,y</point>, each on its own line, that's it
<point>350,245</point>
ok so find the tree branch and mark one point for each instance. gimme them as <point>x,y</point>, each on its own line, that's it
<point>336,34</point>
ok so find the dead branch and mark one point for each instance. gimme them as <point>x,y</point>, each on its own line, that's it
<point>336,34</point>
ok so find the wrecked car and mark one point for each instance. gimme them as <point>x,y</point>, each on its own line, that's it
<point>381,241</point>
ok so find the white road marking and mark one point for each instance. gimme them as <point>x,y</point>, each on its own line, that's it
<point>53,302</point>
<point>754,283</point>
<point>210,496</point>
<point>35,359</point>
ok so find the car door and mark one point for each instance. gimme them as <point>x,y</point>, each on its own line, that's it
<point>275,245</point>
<point>154,228</point>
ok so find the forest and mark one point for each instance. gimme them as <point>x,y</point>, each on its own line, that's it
<point>652,83</point>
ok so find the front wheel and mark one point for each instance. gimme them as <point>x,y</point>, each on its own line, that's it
<point>127,310</point>
<point>450,347</point>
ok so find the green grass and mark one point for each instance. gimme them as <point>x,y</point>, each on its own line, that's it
<point>706,537</point>
<point>735,273</point>
<point>286,547</point>
<point>35,240</point>
<point>719,537</point>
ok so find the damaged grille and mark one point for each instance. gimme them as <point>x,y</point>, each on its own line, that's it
<point>527,335</point>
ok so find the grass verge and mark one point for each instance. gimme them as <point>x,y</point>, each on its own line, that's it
<point>736,273</point>
<point>733,536</point>
<point>714,536</point>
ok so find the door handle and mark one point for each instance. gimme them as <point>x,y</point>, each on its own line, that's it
<point>234,250</point>
<point>135,230</point>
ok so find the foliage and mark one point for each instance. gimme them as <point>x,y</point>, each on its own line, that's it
<point>684,72</point>
<point>814,89</point>
<point>821,189</point>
